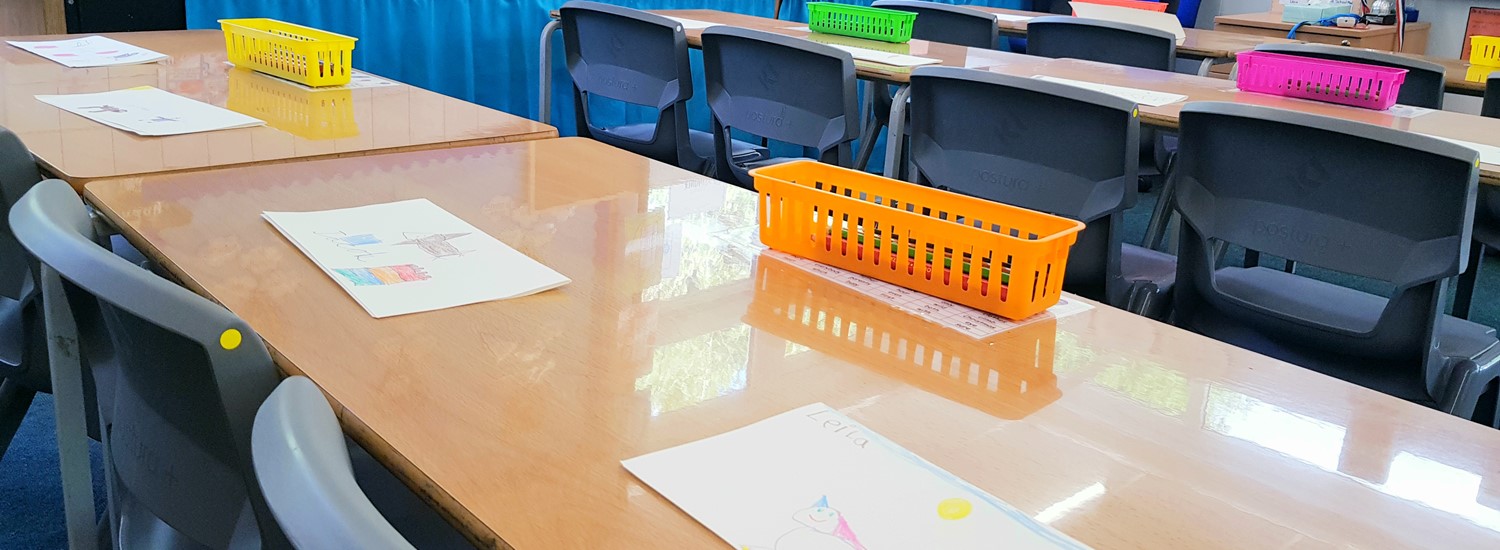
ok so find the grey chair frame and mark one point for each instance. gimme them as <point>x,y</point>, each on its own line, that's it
<point>26,372</point>
<point>304,469</point>
<point>1138,296</point>
<point>834,144</point>
<point>670,142</point>
<point>84,285</point>
<point>1171,40</point>
<point>1455,384</point>
<point>1435,83</point>
<point>1486,218</point>
<point>919,6</point>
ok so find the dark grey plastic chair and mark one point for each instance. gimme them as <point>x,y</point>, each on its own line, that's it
<point>189,378</point>
<point>1491,107</point>
<point>23,357</point>
<point>1424,79</point>
<point>1102,41</point>
<point>948,23</point>
<point>1405,222</point>
<point>318,495</point>
<point>638,58</point>
<point>1045,146</point>
<point>1486,219</point>
<point>779,87</point>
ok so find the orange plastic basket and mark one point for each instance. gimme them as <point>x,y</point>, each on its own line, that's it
<point>989,256</point>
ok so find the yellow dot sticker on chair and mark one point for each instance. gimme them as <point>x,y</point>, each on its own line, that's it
<point>954,508</point>
<point>230,339</point>
<point>1135,113</point>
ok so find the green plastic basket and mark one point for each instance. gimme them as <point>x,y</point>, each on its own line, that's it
<point>860,21</point>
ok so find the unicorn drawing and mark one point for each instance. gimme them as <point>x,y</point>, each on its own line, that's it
<point>823,528</point>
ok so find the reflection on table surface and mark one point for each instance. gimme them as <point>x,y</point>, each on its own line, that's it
<point>301,123</point>
<point>513,416</point>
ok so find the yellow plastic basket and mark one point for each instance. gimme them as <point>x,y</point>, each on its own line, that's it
<point>318,114</point>
<point>1484,50</point>
<point>294,52</point>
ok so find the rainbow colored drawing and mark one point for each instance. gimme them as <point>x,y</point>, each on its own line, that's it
<point>385,275</point>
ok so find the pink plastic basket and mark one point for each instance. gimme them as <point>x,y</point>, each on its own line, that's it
<point>1357,84</point>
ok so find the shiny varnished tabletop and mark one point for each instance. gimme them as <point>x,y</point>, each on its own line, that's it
<point>302,124</point>
<point>513,416</point>
<point>1466,127</point>
<point>1198,43</point>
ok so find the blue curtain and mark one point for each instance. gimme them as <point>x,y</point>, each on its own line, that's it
<point>487,51</point>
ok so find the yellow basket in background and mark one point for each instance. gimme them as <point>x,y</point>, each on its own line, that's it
<point>1484,50</point>
<point>316,114</point>
<point>294,52</point>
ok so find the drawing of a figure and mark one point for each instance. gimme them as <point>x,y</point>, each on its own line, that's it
<point>161,119</point>
<point>103,109</point>
<point>823,528</point>
<point>436,244</point>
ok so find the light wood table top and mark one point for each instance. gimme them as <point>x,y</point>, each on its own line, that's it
<point>1448,124</point>
<point>1461,77</point>
<point>1272,20</point>
<point>514,416</point>
<point>302,124</point>
<point>1199,43</point>
<point>949,54</point>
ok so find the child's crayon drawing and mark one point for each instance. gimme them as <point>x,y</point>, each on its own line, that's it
<point>382,276</point>
<point>823,528</point>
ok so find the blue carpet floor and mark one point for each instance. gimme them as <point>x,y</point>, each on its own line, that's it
<point>31,512</point>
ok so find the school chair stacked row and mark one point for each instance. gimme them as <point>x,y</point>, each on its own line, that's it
<point>198,450</point>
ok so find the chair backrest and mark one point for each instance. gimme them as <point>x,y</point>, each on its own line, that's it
<point>304,470</point>
<point>18,172</point>
<point>1035,144</point>
<point>949,24</point>
<point>636,57</point>
<point>779,87</point>
<point>190,377</point>
<point>1424,83</point>
<point>1491,106</point>
<point>1102,41</point>
<point>1405,221</point>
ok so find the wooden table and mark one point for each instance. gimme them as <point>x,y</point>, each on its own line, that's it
<point>1208,47</point>
<point>513,416</point>
<point>1461,77</point>
<point>1447,124</point>
<point>1378,37</point>
<point>302,124</point>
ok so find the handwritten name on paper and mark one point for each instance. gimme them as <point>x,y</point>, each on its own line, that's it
<point>854,432</point>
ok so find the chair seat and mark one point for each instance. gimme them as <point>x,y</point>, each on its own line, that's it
<point>1138,263</point>
<point>701,142</point>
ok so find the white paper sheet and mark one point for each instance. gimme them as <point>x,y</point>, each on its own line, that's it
<point>1407,111</point>
<point>411,256</point>
<point>964,319</point>
<point>1146,18</point>
<point>150,112</point>
<point>90,51</point>
<point>691,24</point>
<point>886,58</point>
<point>1488,154</point>
<point>1010,17</point>
<point>357,80</point>
<point>813,479</point>
<point>1143,97</point>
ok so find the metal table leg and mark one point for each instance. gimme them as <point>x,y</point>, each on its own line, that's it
<point>544,98</point>
<point>897,125</point>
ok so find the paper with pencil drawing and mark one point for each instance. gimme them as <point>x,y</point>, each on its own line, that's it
<point>410,256</point>
<point>813,479</point>
<point>1144,97</point>
<point>90,51</point>
<point>150,112</point>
